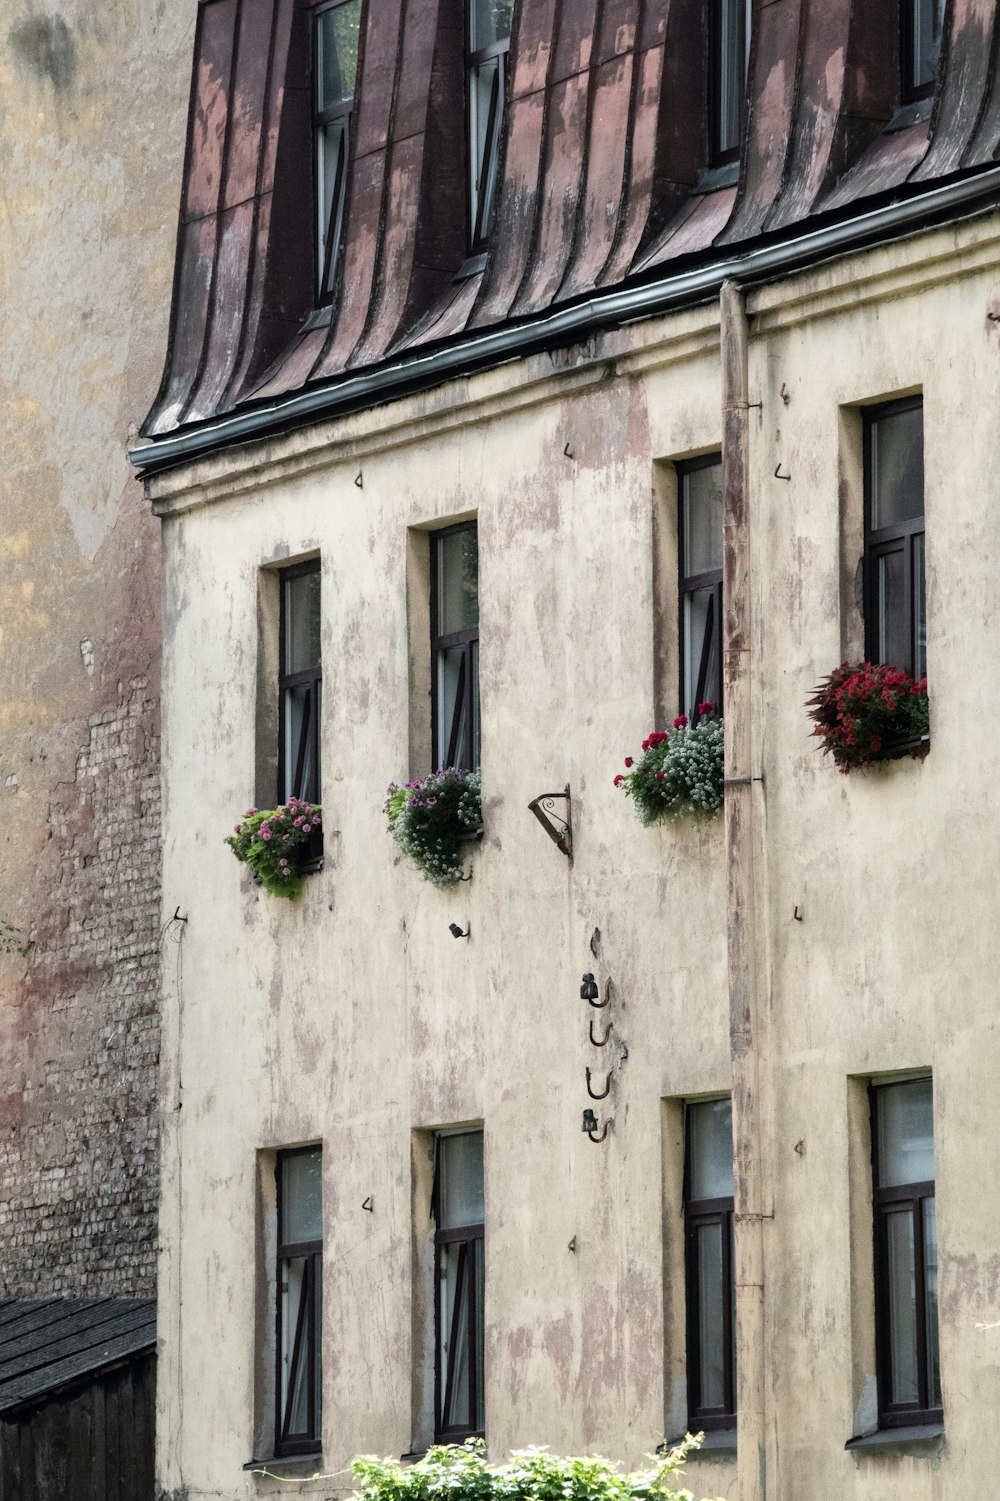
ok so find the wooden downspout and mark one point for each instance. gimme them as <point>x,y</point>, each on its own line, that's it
<point>744,898</point>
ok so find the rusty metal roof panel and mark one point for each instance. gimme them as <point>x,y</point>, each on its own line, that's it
<point>602,174</point>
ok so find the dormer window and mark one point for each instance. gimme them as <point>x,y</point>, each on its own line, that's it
<point>920,44</point>
<point>486,71</point>
<point>729,43</point>
<point>335,69</point>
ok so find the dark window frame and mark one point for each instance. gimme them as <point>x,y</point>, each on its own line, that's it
<point>900,1199</point>
<point>481,202</point>
<point>309,1326</point>
<point>909,89</point>
<point>697,1213</point>
<point>882,541</point>
<point>466,1237</point>
<point>342,111</point>
<point>690,584</point>
<point>442,641</point>
<point>310,677</point>
<point>721,155</point>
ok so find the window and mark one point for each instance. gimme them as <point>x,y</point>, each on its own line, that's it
<point>906,1321</point>
<point>700,590</point>
<point>459,1212</point>
<point>335,68</point>
<point>300,684</point>
<point>300,1301</point>
<point>711,1286</point>
<point>920,44</point>
<point>729,44</point>
<point>486,70</point>
<point>895,608</point>
<point>455,646</point>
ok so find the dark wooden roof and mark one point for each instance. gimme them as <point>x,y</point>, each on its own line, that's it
<point>602,168</point>
<point>51,1343</point>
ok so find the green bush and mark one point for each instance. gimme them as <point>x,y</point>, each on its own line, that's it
<point>427,820</point>
<point>461,1473</point>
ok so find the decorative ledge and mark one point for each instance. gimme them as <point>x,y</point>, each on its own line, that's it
<point>923,1438</point>
<point>289,1466</point>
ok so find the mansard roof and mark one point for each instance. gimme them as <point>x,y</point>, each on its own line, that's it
<point>603,179</point>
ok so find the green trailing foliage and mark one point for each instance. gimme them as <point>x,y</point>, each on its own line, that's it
<point>429,818</point>
<point>460,1472</point>
<point>275,843</point>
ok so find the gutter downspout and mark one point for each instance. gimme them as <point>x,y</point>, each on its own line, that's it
<point>745,816</point>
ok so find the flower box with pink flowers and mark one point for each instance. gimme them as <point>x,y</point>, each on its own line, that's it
<point>279,844</point>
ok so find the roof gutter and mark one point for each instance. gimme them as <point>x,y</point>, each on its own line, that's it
<point>972,193</point>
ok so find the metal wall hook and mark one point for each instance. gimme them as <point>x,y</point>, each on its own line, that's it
<point>607,1087</point>
<point>589,992</point>
<point>368,1205</point>
<point>602,1041</point>
<point>589,1126</point>
<point>360,480</point>
<point>568,452</point>
<point>778,474</point>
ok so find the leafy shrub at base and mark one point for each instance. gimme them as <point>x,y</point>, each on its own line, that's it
<point>460,1472</point>
<point>429,818</point>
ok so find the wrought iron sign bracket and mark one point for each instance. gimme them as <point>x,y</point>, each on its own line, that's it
<point>558,825</point>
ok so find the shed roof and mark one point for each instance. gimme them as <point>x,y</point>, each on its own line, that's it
<point>50,1343</point>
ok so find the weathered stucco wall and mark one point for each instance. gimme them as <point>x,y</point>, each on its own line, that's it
<point>354,1018</point>
<point>92,107</point>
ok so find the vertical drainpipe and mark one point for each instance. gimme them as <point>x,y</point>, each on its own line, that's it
<point>744,897</point>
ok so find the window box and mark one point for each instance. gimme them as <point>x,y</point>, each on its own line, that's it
<point>680,772</point>
<point>866,713</point>
<point>432,819</point>
<point>280,845</point>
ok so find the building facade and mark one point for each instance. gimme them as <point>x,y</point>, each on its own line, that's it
<point>538,373</point>
<point>85,268</point>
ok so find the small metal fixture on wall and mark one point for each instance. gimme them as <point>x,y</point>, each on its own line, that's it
<point>558,825</point>
<point>457,932</point>
<point>589,1126</point>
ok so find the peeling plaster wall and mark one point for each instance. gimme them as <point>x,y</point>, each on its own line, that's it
<point>92,109</point>
<point>354,1018</point>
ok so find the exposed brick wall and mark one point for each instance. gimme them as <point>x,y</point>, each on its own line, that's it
<point>78,1145</point>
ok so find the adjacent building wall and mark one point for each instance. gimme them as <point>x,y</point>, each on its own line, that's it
<point>91,143</point>
<point>353,1017</point>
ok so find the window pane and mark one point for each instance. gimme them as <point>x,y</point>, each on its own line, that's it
<point>472,763</point>
<point>337,53</point>
<point>711,1317</point>
<point>930,1304</point>
<point>893,626</point>
<point>302,619</point>
<point>902,1307</point>
<point>302,710</point>
<point>489,22</point>
<point>331,185</point>
<point>905,1133</point>
<point>455,1271</point>
<point>731,63</point>
<point>484,103</point>
<point>710,1149</point>
<point>702,520</point>
<point>302,1196</point>
<point>919,608</point>
<point>460,1180</point>
<point>897,472</point>
<point>449,685</point>
<point>927,18</point>
<point>458,581</point>
<point>477,1252</point>
<point>699,612</point>
<point>294,1378</point>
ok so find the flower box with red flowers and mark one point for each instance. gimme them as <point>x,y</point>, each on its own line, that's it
<point>280,845</point>
<point>869,713</point>
<point>680,772</point>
